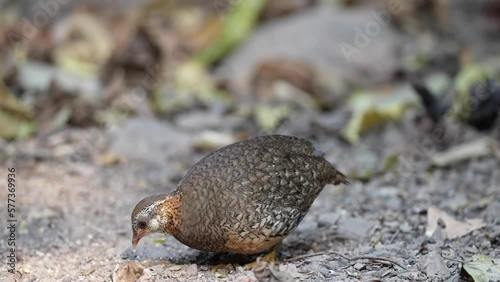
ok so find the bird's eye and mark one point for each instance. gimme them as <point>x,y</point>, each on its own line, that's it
<point>142,225</point>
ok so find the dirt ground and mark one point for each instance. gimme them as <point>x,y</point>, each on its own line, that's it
<point>424,198</point>
<point>74,216</point>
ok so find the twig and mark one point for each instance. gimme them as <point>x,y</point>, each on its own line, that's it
<point>347,258</point>
<point>452,259</point>
<point>394,236</point>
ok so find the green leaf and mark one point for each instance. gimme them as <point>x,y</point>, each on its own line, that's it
<point>468,77</point>
<point>269,117</point>
<point>16,122</point>
<point>237,24</point>
<point>160,240</point>
<point>483,269</point>
<point>375,108</point>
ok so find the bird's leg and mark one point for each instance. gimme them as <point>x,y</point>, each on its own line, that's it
<point>269,257</point>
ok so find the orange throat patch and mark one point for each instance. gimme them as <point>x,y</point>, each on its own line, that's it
<point>171,213</point>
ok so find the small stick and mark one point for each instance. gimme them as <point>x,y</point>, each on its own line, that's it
<point>452,259</point>
<point>394,236</point>
<point>348,258</point>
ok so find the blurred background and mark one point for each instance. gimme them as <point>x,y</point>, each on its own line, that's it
<point>105,102</point>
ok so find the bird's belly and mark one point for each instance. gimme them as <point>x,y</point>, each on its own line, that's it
<point>249,243</point>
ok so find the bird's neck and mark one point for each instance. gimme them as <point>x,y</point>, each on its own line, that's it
<point>170,212</point>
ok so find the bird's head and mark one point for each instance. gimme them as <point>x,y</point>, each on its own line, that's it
<point>152,215</point>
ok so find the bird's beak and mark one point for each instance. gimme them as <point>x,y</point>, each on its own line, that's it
<point>137,237</point>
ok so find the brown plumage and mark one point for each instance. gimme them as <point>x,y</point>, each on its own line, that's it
<point>244,198</point>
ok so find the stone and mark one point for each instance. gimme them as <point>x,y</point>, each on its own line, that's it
<point>355,226</point>
<point>434,266</point>
<point>372,61</point>
<point>328,219</point>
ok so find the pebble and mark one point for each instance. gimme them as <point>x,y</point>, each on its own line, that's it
<point>359,266</point>
<point>319,268</point>
<point>335,264</point>
<point>434,266</point>
<point>307,227</point>
<point>192,270</point>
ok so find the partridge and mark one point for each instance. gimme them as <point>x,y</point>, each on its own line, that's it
<point>244,198</point>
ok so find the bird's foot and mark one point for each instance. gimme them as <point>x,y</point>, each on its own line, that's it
<point>269,257</point>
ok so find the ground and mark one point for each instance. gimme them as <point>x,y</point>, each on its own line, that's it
<point>423,200</point>
<point>74,216</point>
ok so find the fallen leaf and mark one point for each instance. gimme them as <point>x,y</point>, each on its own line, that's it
<point>474,149</point>
<point>238,22</point>
<point>469,76</point>
<point>453,229</point>
<point>212,140</point>
<point>204,89</point>
<point>15,119</point>
<point>107,159</point>
<point>483,269</point>
<point>127,272</point>
<point>374,108</point>
<point>269,117</point>
<point>87,44</point>
<point>295,72</point>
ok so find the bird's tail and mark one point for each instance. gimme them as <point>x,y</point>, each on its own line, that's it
<point>336,177</point>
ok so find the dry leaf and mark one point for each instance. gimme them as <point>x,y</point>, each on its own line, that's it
<point>127,272</point>
<point>474,149</point>
<point>108,159</point>
<point>483,269</point>
<point>453,229</point>
<point>87,44</point>
<point>208,141</point>
<point>295,72</point>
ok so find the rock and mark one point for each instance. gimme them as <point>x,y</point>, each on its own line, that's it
<point>354,226</point>
<point>336,265</point>
<point>192,270</point>
<point>146,139</point>
<point>328,219</point>
<point>127,272</point>
<point>325,48</point>
<point>316,267</point>
<point>434,266</point>
<point>359,266</point>
<point>307,227</point>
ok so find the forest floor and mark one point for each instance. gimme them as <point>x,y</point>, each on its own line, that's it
<point>74,217</point>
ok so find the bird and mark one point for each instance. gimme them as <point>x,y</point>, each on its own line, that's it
<point>244,198</point>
